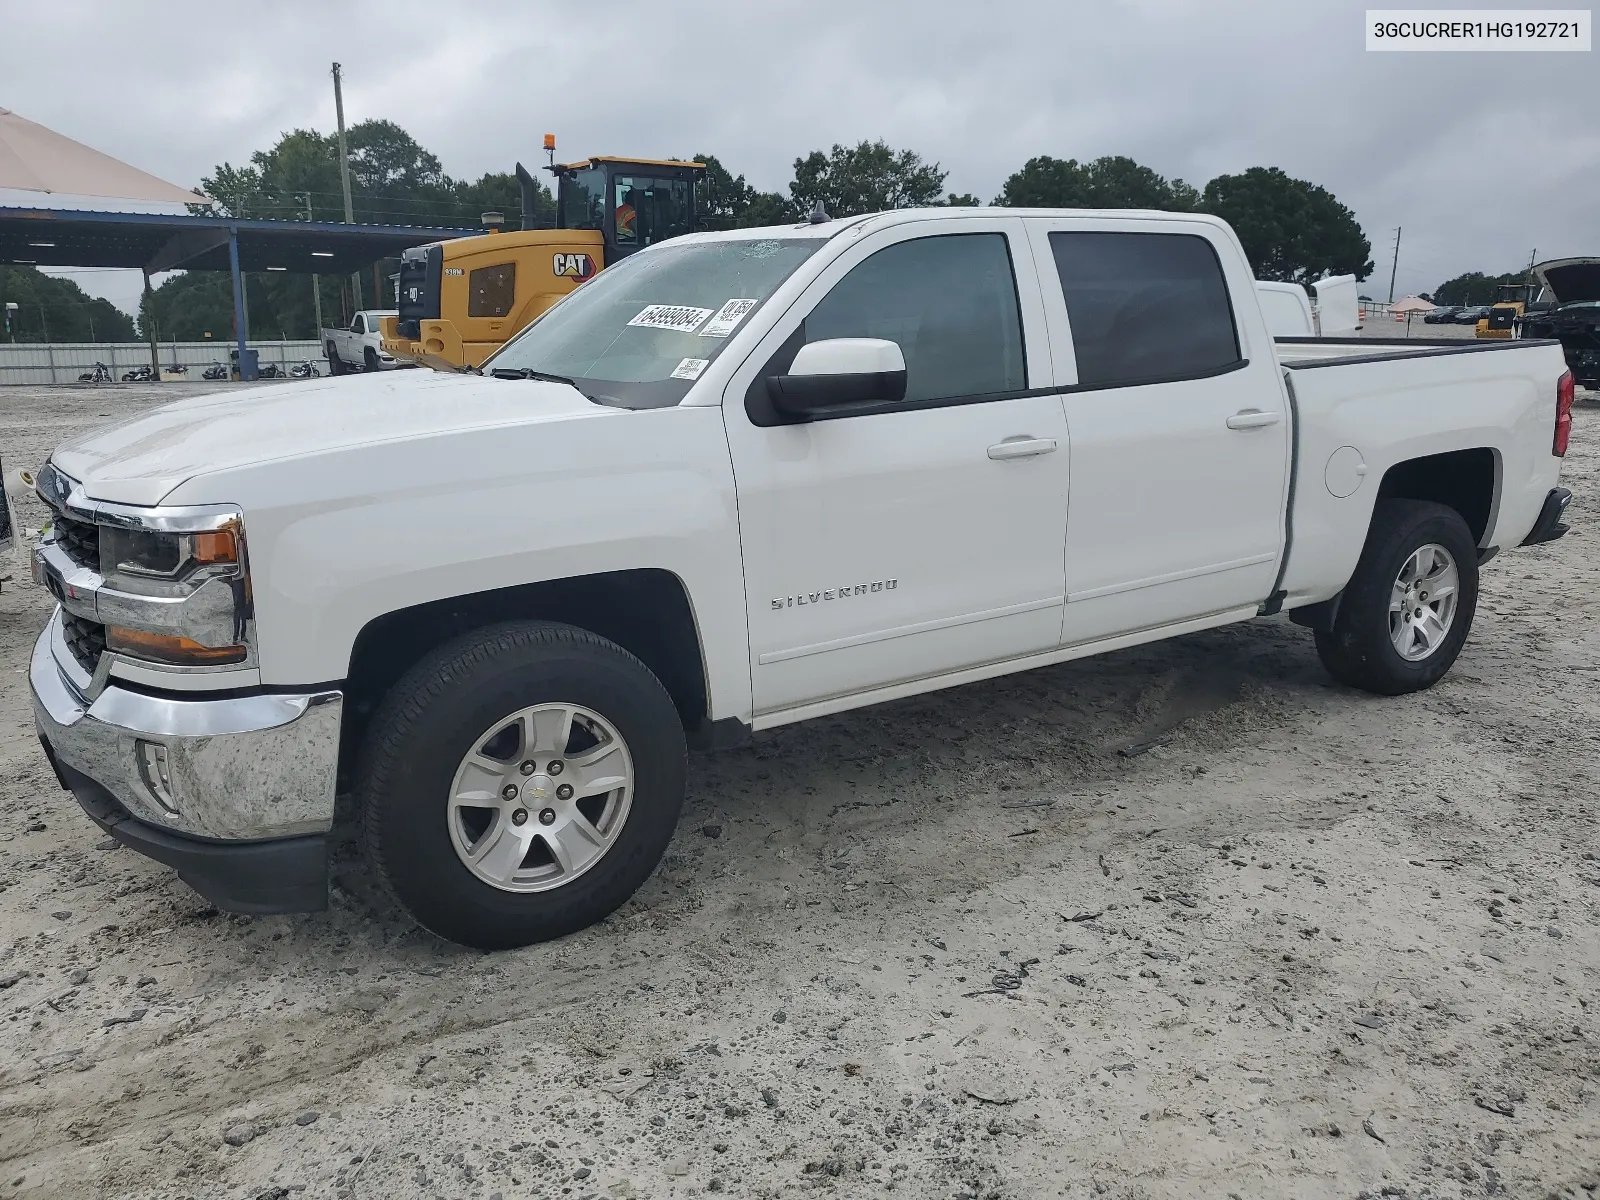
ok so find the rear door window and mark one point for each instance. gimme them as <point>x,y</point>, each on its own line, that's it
<point>951,304</point>
<point>1145,307</point>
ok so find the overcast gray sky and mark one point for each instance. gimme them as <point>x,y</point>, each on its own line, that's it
<point>1483,158</point>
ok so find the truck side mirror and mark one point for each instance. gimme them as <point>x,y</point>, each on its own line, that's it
<point>839,372</point>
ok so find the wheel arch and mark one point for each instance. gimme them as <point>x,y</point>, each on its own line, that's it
<point>1467,480</point>
<point>647,612</point>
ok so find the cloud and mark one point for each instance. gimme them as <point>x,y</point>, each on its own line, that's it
<point>1481,157</point>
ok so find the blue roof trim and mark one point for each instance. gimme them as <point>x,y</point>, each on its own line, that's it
<point>239,224</point>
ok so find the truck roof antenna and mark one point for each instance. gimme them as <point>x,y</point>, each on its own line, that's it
<point>819,214</point>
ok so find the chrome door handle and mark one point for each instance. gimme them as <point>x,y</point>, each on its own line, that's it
<point>1021,447</point>
<point>1252,418</point>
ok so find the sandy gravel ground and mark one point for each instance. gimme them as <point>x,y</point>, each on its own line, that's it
<point>1298,942</point>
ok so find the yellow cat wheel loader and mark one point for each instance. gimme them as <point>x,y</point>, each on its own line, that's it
<point>460,300</point>
<point>1508,309</point>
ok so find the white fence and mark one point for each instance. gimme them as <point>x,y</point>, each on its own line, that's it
<point>63,362</point>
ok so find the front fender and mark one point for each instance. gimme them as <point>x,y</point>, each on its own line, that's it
<point>341,539</point>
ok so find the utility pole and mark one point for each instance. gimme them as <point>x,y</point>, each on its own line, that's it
<point>1396,264</point>
<point>344,168</point>
<point>316,281</point>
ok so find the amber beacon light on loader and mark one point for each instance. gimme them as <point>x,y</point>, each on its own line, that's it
<point>459,301</point>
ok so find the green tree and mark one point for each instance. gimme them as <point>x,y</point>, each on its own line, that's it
<point>725,201</point>
<point>198,306</point>
<point>393,181</point>
<point>1109,182</point>
<point>1474,288</point>
<point>1291,230</point>
<point>869,177</point>
<point>58,310</point>
<point>500,192</point>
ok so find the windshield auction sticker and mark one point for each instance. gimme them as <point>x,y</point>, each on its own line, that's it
<point>690,368</point>
<point>1436,29</point>
<point>727,318</point>
<point>671,316</point>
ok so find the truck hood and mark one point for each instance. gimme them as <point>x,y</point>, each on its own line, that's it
<point>1571,280</point>
<point>140,461</point>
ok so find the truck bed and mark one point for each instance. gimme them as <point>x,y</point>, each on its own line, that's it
<point>1397,399</point>
<point>1298,353</point>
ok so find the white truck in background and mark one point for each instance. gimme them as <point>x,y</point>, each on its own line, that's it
<point>737,480</point>
<point>1290,312</point>
<point>360,347</point>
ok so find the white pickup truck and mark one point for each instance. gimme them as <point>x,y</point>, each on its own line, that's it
<point>360,347</point>
<point>739,480</point>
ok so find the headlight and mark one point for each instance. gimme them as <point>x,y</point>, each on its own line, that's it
<point>177,588</point>
<point>168,556</point>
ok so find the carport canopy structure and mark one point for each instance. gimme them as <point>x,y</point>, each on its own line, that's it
<point>152,242</point>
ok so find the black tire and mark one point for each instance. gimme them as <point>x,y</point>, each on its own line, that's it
<point>335,366</point>
<point>1358,651</point>
<point>369,358</point>
<point>434,715</point>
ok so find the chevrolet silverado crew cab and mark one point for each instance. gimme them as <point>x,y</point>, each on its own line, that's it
<point>737,480</point>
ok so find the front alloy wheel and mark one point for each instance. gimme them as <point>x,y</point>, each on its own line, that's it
<point>541,797</point>
<point>520,782</point>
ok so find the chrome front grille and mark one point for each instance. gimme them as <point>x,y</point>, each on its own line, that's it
<point>79,539</point>
<point>85,639</point>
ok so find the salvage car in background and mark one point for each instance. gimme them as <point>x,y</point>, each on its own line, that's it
<point>1573,285</point>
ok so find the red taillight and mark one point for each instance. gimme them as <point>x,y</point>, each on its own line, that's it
<point>1564,392</point>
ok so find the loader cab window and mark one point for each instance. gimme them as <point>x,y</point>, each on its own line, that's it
<point>583,199</point>
<point>649,209</point>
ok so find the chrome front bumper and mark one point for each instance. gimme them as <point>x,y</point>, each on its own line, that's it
<point>245,768</point>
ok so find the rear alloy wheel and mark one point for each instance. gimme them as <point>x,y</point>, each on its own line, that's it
<point>1422,602</point>
<point>520,783</point>
<point>1408,607</point>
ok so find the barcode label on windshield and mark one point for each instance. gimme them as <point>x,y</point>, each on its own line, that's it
<point>690,368</point>
<point>671,316</point>
<point>727,318</point>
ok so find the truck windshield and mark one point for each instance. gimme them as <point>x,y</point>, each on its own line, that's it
<point>640,333</point>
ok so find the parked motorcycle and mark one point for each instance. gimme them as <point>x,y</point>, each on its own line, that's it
<point>215,371</point>
<point>100,374</point>
<point>138,375</point>
<point>270,371</point>
<point>304,370</point>
<point>177,369</point>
